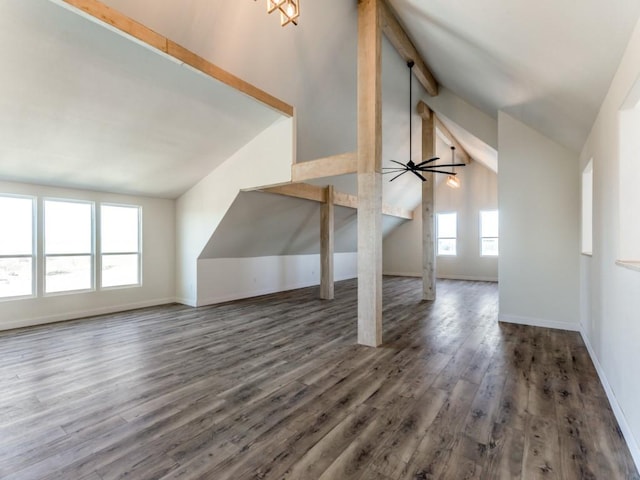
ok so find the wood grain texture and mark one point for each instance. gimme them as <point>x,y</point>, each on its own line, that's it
<point>398,37</point>
<point>276,387</point>
<point>428,208</point>
<point>369,173</point>
<point>341,164</point>
<point>327,245</point>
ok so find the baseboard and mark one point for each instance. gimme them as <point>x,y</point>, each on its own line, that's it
<point>471,278</point>
<point>189,302</point>
<point>538,322</point>
<point>32,322</point>
<point>403,274</point>
<point>263,291</point>
<point>632,443</point>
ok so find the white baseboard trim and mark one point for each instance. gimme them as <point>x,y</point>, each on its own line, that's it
<point>538,322</point>
<point>189,302</point>
<point>61,317</point>
<point>403,274</point>
<point>229,297</point>
<point>632,443</point>
<point>471,278</point>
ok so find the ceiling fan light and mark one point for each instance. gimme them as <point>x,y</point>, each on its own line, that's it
<point>289,12</point>
<point>453,181</point>
<point>273,5</point>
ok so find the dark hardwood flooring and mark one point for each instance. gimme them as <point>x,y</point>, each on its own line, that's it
<point>276,388</point>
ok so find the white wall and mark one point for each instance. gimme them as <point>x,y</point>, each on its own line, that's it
<point>265,160</point>
<point>317,77</point>
<point>402,254</point>
<point>234,278</point>
<point>610,300</point>
<point>539,194</point>
<point>158,268</point>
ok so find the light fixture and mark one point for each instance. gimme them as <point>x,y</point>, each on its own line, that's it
<point>425,166</point>
<point>452,180</point>
<point>289,10</point>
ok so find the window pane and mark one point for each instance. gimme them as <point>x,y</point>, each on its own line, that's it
<point>118,270</point>
<point>489,247</point>
<point>489,223</point>
<point>446,246</point>
<point>447,225</point>
<point>64,274</point>
<point>16,218</point>
<point>15,277</point>
<point>68,227</point>
<point>119,229</point>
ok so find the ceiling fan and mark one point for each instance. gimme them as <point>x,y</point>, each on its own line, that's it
<point>427,166</point>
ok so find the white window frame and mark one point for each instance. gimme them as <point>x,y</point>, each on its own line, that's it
<point>92,255</point>
<point>481,236</point>
<point>587,210</point>
<point>438,237</point>
<point>138,253</point>
<point>33,256</point>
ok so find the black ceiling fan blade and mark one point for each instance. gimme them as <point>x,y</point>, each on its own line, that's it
<point>400,163</point>
<point>396,171</point>
<point>428,170</point>
<point>427,161</point>
<point>447,165</point>
<point>415,172</point>
<point>402,173</point>
<point>430,167</point>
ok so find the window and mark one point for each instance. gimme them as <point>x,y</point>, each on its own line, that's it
<point>17,262</point>
<point>489,233</point>
<point>629,178</point>
<point>587,208</point>
<point>68,246</point>
<point>447,226</point>
<point>120,242</point>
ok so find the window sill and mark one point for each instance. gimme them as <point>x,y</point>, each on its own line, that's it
<point>586,254</point>
<point>630,264</point>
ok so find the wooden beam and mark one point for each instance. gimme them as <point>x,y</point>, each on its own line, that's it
<point>464,156</point>
<point>428,205</point>
<point>369,173</point>
<point>314,193</point>
<point>423,110</point>
<point>299,190</point>
<point>405,47</point>
<point>130,27</point>
<point>324,167</point>
<point>327,245</point>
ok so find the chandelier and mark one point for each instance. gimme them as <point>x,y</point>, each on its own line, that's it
<point>289,10</point>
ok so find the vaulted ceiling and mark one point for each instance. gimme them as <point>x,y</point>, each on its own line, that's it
<point>548,63</point>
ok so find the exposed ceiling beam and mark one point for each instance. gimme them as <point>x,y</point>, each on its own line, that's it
<point>104,14</point>
<point>314,193</point>
<point>398,37</point>
<point>341,164</point>
<point>425,112</point>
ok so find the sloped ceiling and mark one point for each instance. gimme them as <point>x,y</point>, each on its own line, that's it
<point>82,106</point>
<point>264,224</point>
<point>547,63</point>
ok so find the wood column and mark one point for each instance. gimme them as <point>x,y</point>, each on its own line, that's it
<point>369,174</point>
<point>428,205</point>
<point>326,245</point>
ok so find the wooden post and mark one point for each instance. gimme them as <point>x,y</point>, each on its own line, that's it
<point>369,174</point>
<point>326,245</point>
<point>428,204</point>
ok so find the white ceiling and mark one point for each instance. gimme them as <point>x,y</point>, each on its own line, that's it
<point>83,107</point>
<point>548,63</point>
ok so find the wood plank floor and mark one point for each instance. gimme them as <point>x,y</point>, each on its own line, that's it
<point>275,388</point>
